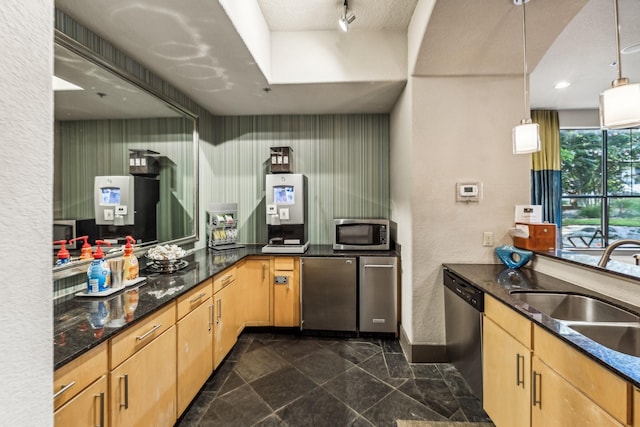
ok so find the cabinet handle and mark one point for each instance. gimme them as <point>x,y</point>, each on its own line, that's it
<point>219,310</point>
<point>378,266</point>
<point>518,370</point>
<point>152,330</point>
<point>211,319</point>
<point>199,297</point>
<point>101,397</point>
<point>264,267</point>
<point>534,389</point>
<point>63,389</point>
<point>225,279</point>
<point>126,391</point>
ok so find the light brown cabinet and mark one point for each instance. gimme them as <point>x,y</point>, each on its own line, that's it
<point>86,409</point>
<point>286,291</point>
<point>636,407</point>
<point>506,365</point>
<point>257,304</point>
<point>194,332</point>
<point>143,372</point>
<point>532,378</point>
<point>226,319</point>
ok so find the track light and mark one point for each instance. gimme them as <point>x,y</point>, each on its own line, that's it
<point>620,105</point>
<point>346,18</point>
<point>526,136</point>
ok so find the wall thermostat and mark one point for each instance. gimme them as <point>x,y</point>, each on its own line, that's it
<point>468,192</point>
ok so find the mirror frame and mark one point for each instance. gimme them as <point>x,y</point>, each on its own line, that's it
<point>74,46</point>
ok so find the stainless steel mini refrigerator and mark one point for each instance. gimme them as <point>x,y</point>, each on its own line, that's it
<point>379,294</point>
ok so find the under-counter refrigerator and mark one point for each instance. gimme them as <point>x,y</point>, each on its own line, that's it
<point>379,294</point>
<point>328,293</point>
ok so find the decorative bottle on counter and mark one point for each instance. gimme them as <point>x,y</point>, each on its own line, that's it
<point>99,273</point>
<point>131,266</point>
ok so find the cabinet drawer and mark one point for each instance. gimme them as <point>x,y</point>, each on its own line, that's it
<point>600,385</point>
<point>221,280</point>
<point>127,343</point>
<point>193,299</point>
<point>283,263</point>
<point>89,408</point>
<point>78,374</point>
<point>515,324</point>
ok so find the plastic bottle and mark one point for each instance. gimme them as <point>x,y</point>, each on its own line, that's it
<point>99,273</point>
<point>63,253</point>
<point>131,266</point>
<point>85,252</point>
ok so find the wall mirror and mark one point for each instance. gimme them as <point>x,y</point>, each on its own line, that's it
<point>116,125</point>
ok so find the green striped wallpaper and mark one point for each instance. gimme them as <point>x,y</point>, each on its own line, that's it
<point>345,158</point>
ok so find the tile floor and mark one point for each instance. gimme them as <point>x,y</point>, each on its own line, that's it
<point>290,380</point>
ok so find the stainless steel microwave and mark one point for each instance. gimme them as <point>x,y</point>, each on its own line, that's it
<point>361,234</point>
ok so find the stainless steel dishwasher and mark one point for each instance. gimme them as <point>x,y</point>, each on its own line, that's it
<point>463,306</point>
<point>379,294</point>
<point>328,292</point>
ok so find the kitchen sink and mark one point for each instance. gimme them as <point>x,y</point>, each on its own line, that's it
<point>624,338</point>
<point>574,307</point>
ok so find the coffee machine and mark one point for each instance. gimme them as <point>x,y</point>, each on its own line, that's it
<point>286,200</point>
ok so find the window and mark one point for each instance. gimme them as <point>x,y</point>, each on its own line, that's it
<point>600,186</point>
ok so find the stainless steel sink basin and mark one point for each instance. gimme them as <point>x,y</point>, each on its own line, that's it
<point>573,307</point>
<point>622,338</point>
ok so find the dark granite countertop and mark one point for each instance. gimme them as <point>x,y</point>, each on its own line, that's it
<point>497,281</point>
<point>81,323</point>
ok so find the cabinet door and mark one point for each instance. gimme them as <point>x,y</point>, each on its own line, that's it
<point>255,303</point>
<point>286,292</point>
<point>195,345</point>
<point>225,329</point>
<point>636,407</point>
<point>143,388</point>
<point>87,409</point>
<point>506,368</point>
<point>558,403</point>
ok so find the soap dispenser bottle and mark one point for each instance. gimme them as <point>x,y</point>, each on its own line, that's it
<point>85,252</point>
<point>131,266</point>
<point>63,253</point>
<point>99,273</point>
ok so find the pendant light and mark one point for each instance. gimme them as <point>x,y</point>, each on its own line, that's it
<point>526,136</point>
<point>346,18</point>
<point>620,105</point>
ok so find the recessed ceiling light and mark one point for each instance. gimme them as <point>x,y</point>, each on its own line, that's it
<point>61,84</point>
<point>562,85</point>
<point>632,48</point>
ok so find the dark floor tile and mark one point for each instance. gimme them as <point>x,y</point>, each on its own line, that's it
<point>398,365</point>
<point>391,346</point>
<point>271,421</point>
<point>282,387</point>
<point>198,407</point>
<point>358,389</point>
<point>317,408</point>
<point>399,406</point>
<point>219,377</point>
<point>425,370</point>
<point>432,393</point>
<point>377,367</point>
<point>239,408</point>
<point>355,351</point>
<point>361,422</point>
<point>233,382</point>
<point>292,350</point>
<point>458,416</point>
<point>322,365</point>
<point>258,362</point>
<point>472,408</point>
<point>454,380</point>
<point>238,349</point>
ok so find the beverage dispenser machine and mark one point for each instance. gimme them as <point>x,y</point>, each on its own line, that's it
<point>286,199</point>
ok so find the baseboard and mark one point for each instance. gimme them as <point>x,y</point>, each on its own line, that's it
<point>422,353</point>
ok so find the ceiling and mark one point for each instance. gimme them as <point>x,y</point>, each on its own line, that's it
<point>196,46</point>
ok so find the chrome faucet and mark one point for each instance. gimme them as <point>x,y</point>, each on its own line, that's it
<point>609,249</point>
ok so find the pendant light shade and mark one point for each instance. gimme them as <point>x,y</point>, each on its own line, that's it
<point>526,136</point>
<point>620,105</point>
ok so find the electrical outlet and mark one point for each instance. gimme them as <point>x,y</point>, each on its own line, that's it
<point>487,238</point>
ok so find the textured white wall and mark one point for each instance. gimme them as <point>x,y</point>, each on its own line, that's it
<point>461,131</point>
<point>26,173</point>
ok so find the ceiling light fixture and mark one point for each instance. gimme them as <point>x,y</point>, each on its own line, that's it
<point>526,136</point>
<point>60,84</point>
<point>346,18</point>
<point>620,105</point>
<point>562,85</point>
